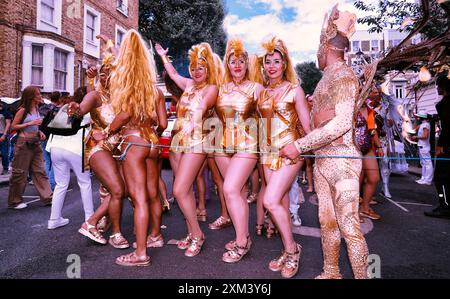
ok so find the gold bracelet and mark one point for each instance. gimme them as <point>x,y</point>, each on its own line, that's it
<point>165,59</point>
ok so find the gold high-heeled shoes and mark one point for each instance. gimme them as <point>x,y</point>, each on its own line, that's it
<point>195,247</point>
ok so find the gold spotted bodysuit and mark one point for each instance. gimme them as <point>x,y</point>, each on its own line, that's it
<point>101,117</point>
<point>186,108</point>
<point>236,109</point>
<point>279,123</point>
<point>336,178</point>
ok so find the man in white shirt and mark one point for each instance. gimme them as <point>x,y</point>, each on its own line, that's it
<point>423,141</point>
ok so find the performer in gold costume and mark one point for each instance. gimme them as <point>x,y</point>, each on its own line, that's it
<point>99,154</point>
<point>140,116</point>
<point>336,179</point>
<point>236,146</point>
<point>284,117</point>
<point>195,105</point>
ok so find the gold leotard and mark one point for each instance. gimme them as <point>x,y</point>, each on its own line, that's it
<point>279,123</point>
<point>186,107</point>
<point>236,105</point>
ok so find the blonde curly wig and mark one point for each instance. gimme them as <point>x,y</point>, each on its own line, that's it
<point>133,82</point>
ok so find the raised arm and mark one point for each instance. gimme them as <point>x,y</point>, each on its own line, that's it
<point>301,106</point>
<point>346,90</point>
<point>181,81</point>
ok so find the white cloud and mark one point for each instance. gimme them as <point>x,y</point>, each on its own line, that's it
<point>301,34</point>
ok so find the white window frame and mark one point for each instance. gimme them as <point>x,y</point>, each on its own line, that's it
<point>121,30</point>
<point>39,66</point>
<point>89,47</point>
<point>124,8</point>
<point>44,25</point>
<point>48,61</point>
<point>359,46</point>
<point>401,88</point>
<point>60,70</point>
<point>378,45</point>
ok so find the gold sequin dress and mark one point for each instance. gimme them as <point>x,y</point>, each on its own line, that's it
<point>236,109</point>
<point>279,123</point>
<point>337,179</point>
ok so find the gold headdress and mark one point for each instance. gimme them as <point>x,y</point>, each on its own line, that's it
<point>338,22</point>
<point>276,44</point>
<point>203,55</point>
<point>235,47</point>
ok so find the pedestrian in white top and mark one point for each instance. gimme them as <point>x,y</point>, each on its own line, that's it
<point>423,141</point>
<point>66,154</point>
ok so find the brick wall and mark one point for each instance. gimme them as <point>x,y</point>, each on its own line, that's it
<point>19,17</point>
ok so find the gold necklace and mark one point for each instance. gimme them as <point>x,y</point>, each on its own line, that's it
<point>276,85</point>
<point>199,86</point>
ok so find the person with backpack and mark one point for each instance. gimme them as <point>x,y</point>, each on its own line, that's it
<point>28,152</point>
<point>66,154</point>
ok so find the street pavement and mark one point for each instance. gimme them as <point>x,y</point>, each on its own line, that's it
<point>403,244</point>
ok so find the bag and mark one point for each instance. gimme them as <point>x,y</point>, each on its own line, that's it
<point>363,138</point>
<point>58,122</point>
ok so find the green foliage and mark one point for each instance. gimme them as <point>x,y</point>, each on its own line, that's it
<point>179,24</point>
<point>391,14</point>
<point>309,74</point>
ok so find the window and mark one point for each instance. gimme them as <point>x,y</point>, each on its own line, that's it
<point>48,64</point>
<point>122,6</point>
<point>91,30</point>
<point>396,42</point>
<point>47,10</point>
<point>374,46</point>
<point>399,91</point>
<point>49,15</point>
<point>120,33</point>
<point>90,26</point>
<point>60,70</point>
<point>37,65</point>
<point>356,46</point>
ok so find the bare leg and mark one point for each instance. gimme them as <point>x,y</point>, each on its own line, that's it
<point>201,189</point>
<point>135,171</point>
<point>161,183</point>
<point>107,171</point>
<point>236,174</point>
<point>372,177</point>
<point>259,202</point>
<point>278,184</point>
<point>152,190</point>
<point>309,174</point>
<point>188,169</point>
<point>218,180</point>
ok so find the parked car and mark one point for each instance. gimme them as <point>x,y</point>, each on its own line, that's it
<point>166,138</point>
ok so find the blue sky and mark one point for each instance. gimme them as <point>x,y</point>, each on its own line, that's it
<point>297,22</point>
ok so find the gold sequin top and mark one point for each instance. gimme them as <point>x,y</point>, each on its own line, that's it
<point>101,117</point>
<point>279,116</point>
<point>186,107</point>
<point>236,109</point>
<point>333,109</point>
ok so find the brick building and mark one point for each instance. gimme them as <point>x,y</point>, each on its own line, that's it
<point>50,43</point>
